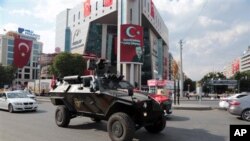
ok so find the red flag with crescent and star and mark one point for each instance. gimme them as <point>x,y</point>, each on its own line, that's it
<point>107,3</point>
<point>86,8</point>
<point>22,50</point>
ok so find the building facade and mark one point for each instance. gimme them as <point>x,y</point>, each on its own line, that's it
<point>232,68</point>
<point>117,30</point>
<point>245,61</point>
<point>8,44</point>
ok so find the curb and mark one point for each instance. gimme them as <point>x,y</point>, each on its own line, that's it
<point>192,108</point>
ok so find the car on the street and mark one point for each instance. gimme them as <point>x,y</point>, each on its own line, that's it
<point>240,107</point>
<point>17,101</point>
<point>224,101</point>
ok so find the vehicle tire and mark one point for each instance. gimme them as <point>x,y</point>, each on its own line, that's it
<point>158,126</point>
<point>10,108</point>
<point>121,127</point>
<point>95,119</point>
<point>62,116</point>
<point>246,115</point>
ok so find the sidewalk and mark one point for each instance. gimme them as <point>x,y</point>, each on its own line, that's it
<point>191,107</point>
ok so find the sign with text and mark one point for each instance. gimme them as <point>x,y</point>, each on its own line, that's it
<point>28,32</point>
<point>239,132</point>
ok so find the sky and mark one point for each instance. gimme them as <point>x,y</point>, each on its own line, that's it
<point>215,32</point>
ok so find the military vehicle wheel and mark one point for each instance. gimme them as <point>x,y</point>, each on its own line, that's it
<point>95,119</point>
<point>157,127</point>
<point>121,127</point>
<point>62,116</point>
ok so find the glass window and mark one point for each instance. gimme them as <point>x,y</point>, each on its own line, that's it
<point>10,48</point>
<point>94,43</point>
<point>74,18</point>
<point>26,76</point>
<point>10,54</point>
<point>79,15</point>
<point>96,6</point>
<point>36,46</point>
<point>35,52</point>
<point>9,62</point>
<point>10,42</point>
<point>131,15</point>
<point>26,70</point>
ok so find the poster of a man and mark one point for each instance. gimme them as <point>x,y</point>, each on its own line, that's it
<point>138,57</point>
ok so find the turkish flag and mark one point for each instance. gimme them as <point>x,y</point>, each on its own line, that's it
<point>107,3</point>
<point>53,82</point>
<point>22,50</point>
<point>152,12</point>
<point>87,8</point>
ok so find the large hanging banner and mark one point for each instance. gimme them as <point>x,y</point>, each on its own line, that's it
<point>22,50</point>
<point>131,43</point>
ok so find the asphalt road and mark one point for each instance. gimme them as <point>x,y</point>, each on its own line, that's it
<point>183,125</point>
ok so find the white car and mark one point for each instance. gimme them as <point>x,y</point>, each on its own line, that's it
<point>224,102</point>
<point>17,101</point>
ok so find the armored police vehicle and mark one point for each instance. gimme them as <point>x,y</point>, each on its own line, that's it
<point>109,98</point>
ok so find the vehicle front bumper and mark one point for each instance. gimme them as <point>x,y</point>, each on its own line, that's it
<point>25,107</point>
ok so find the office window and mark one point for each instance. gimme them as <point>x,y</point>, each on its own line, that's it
<point>10,48</point>
<point>10,54</point>
<point>36,46</point>
<point>131,14</point>
<point>9,62</point>
<point>96,6</point>
<point>10,42</point>
<point>26,70</point>
<point>26,76</point>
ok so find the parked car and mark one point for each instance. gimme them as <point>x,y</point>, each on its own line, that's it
<point>17,101</point>
<point>224,101</point>
<point>240,107</point>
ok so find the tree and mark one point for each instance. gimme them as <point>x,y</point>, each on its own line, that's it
<point>189,85</point>
<point>206,86</point>
<point>243,79</point>
<point>66,64</point>
<point>7,75</point>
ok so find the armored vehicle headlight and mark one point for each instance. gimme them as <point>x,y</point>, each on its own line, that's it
<point>145,105</point>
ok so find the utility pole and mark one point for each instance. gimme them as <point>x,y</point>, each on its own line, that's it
<point>181,74</point>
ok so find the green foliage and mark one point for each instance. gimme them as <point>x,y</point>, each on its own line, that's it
<point>212,76</point>
<point>66,64</point>
<point>189,83</point>
<point>242,75</point>
<point>7,74</point>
